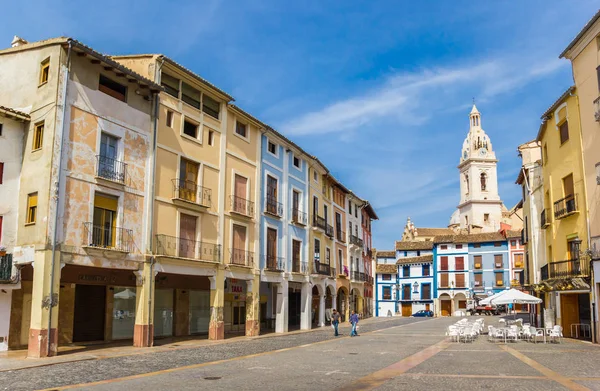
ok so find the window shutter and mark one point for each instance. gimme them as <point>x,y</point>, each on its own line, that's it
<point>444,280</point>
<point>460,280</point>
<point>443,263</point>
<point>460,263</point>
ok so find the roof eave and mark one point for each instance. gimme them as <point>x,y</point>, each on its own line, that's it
<point>584,30</point>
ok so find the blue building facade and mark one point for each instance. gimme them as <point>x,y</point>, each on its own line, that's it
<point>386,278</point>
<point>285,287</point>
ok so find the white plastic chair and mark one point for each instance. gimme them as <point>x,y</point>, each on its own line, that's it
<point>556,333</point>
<point>538,333</point>
<point>453,333</point>
<point>499,335</point>
<point>512,334</point>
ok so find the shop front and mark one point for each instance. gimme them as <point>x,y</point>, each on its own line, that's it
<point>234,312</point>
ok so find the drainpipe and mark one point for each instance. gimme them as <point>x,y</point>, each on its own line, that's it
<point>60,168</point>
<point>155,101</point>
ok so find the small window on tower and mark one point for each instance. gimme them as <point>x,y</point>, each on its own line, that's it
<point>486,217</point>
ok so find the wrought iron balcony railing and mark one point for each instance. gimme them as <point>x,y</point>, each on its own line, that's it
<point>241,205</point>
<point>273,207</point>
<point>356,241</point>
<point>329,231</point>
<point>322,268</point>
<point>568,269</point>
<point>545,218</point>
<point>369,252</point>
<point>241,257</point>
<point>273,263</point>
<point>299,217</point>
<point>319,222</point>
<point>189,191</point>
<point>299,266</point>
<point>6,264</point>
<point>108,237</point>
<point>172,246</point>
<point>356,276</point>
<point>111,169</point>
<point>565,206</point>
<point>340,235</point>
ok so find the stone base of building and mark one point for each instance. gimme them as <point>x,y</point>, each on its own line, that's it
<point>252,328</point>
<point>143,335</point>
<point>216,330</point>
<point>38,343</point>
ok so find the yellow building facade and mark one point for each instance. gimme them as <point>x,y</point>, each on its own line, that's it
<point>565,277</point>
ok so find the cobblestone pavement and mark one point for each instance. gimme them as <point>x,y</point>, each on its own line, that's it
<point>398,354</point>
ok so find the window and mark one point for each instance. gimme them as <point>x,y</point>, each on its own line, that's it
<point>170,84</point>
<point>387,293</point>
<point>296,246</point>
<point>315,177</point>
<point>190,128</point>
<point>108,166</point>
<point>355,212</point>
<point>498,262</point>
<point>38,136</point>
<point>0,130</point>
<point>272,249</point>
<point>477,245</point>
<point>459,280</point>
<point>1,172</point>
<point>350,207</point>
<point>211,137</point>
<point>458,246</point>
<point>241,129</point>
<point>478,280</point>
<point>426,270</point>
<point>210,106</point>
<point>499,279</point>
<point>568,188</point>
<point>418,253</point>
<point>340,261</point>
<point>328,256</point>
<point>297,162</point>
<point>477,262</point>
<point>406,292</point>
<point>406,271</point>
<point>426,292</point>
<point>187,235</point>
<point>497,244</point>
<point>444,280</point>
<point>386,277</point>
<point>44,71</point>
<point>513,243</point>
<point>444,247</point>
<point>564,132</point>
<point>190,95</point>
<point>188,178</point>
<point>483,179</point>
<point>518,261</point>
<point>112,88</point>
<point>443,263</point>
<point>271,201</point>
<point>317,250</point>
<point>486,217</point>
<point>32,200</point>
<point>459,263</point>
<point>271,147</point>
<point>169,118</point>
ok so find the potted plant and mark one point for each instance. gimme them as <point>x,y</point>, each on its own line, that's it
<point>2,251</point>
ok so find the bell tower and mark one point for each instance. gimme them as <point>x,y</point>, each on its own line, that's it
<point>480,207</point>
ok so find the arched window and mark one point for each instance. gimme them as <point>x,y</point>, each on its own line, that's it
<point>483,181</point>
<point>467,182</point>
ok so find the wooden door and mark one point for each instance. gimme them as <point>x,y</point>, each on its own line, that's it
<point>240,187</point>
<point>427,307</point>
<point>295,205</point>
<point>239,244</point>
<point>271,195</point>
<point>188,176</point>
<point>569,312</point>
<point>406,309</point>
<point>88,317</point>
<point>296,256</point>
<point>271,248</point>
<point>187,236</point>
<point>446,307</point>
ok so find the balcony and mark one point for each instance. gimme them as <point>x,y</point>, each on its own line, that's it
<point>355,240</point>
<point>172,246</point>
<point>241,257</point>
<point>329,231</point>
<point>597,109</point>
<point>241,206</point>
<point>498,265</point>
<point>111,169</point>
<point>319,222</point>
<point>340,236</point>
<point>6,264</point>
<point>108,238</point>
<point>299,266</point>
<point>324,269</point>
<point>369,252</point>
<point>565,206</point>
<point>569,269</point>
<point>190,192</point>
<point>299,217</point>
<point>478,286</point>
<point>273,263</point>
<point>357,276</point>
<point>273,207</point>
<point>545,218</point>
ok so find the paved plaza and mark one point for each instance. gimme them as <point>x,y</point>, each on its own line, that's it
<point>390,354</point>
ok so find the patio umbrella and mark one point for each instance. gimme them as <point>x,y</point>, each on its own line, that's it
<point>125,295</point>
<point>514,296</point>
<point>488,300</point>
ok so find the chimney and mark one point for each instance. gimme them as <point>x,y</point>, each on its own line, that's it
<point>18,41</point>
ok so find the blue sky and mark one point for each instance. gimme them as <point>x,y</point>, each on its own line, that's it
<point>380,91</point>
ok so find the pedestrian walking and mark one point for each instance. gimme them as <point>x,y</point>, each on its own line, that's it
<point>354,323</point>
<point>335,321</point>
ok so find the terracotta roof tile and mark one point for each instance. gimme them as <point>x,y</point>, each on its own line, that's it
<point>386,269</point>
<point>13,113</point>
<point>414,245</point>
<point>385,254</point>
<point>513,234</point>
<point>422,258</point>
<point>433,231</point>
<point>471,238</point>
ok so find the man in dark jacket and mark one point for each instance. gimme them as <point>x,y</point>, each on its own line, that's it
<point>335,321</point>
<point>354,323</point>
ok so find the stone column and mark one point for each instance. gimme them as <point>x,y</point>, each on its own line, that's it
<point>321,310</point>
<point>216,326</point>
<point>253,307</point>
<point>306,307</point>
<point>281,317</point>
<point>143,331</point>
<point>334,302</point>
<point>42,305</point>
<point>347,304</point>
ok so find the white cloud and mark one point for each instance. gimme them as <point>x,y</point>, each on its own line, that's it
<point>411,97</point>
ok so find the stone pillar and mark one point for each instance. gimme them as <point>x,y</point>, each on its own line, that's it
<point>143,331</point>
<point>306,307</point>
<point>253,307</point>
<point>360,307</point>
<point>322,310</point>
<point>347,313</point>
<point>216,326</point>
<point>334,304</point>
<point>42,305</point>
<point>281,311</point>
<point>182,312</point>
